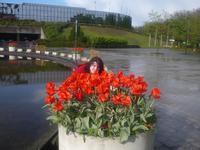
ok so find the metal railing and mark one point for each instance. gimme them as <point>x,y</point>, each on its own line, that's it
<point>41,55</point>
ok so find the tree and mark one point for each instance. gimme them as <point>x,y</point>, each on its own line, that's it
<point>110,19</point>
<point>156,18</point>
<point>82,40</point>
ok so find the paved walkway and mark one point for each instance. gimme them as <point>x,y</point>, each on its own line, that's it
<point>178,77</point>
<point>175,131</point>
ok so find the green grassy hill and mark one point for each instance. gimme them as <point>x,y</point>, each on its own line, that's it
<point>94,31</point>
<point>58,33</point>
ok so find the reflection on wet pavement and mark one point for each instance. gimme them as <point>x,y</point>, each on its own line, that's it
<point>178,77</point>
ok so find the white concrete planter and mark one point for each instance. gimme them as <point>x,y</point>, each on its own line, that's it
<point>12,57</point>
<point>19,50</point>
<point>37,52</point>
<point>19,57</point>
<point>54,53</point>
<point>62,54</point>
<point>46,52</point>
<point>144,141</point>
<point>28,50</point>
<point>11,49</point>
<point>69,56</point>
<point>76,56</point>
<point>1,49</point>
<point>84,59</point>
<point>29,58</point>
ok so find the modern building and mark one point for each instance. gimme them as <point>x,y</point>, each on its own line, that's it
<point>49,13</point>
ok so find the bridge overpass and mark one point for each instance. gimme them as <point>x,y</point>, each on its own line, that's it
<point>21,33</point>
<point>65,61</point>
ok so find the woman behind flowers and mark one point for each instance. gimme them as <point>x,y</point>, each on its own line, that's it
<point>95,65</point>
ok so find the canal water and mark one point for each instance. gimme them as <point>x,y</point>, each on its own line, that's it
<point>22,120</point>
<point>23,124</point>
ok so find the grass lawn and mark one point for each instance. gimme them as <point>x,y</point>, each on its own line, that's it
<point>132,38</point>
<point>94,31</point>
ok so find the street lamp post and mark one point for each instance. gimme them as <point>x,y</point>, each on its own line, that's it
<point>75,42</point>
<point>76,30</point>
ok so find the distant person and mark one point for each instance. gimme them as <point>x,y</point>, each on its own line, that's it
<point>26,43</point>
<point>34,44</point>
<point>95,65</point>
<point>31,44</point>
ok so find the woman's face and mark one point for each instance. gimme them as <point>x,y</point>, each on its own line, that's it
<point>93,67</point>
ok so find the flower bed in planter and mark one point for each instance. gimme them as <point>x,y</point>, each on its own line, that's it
<point>12,46</point>
<point>107,106</point>
<point>11,49</point>
<point>76,53</point>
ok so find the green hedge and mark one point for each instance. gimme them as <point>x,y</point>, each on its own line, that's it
<point>101,42</point>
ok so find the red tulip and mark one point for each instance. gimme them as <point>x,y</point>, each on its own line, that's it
<point>155,92</point>
<point>58,106</point>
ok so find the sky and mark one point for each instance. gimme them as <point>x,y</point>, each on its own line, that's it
<point>138,9</point>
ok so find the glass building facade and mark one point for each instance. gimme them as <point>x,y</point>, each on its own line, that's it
<point>49,13</point>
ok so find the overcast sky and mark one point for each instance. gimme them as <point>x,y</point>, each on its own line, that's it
<point>138,9</point>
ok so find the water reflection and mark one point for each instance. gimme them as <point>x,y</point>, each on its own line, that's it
<point>32,78</point>
<point>30,72</point>
<point>23,124</point>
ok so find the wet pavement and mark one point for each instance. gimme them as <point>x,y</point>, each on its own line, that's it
<point>178,77</point>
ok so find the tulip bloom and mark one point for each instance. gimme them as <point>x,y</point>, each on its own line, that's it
<point>155,93</point>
